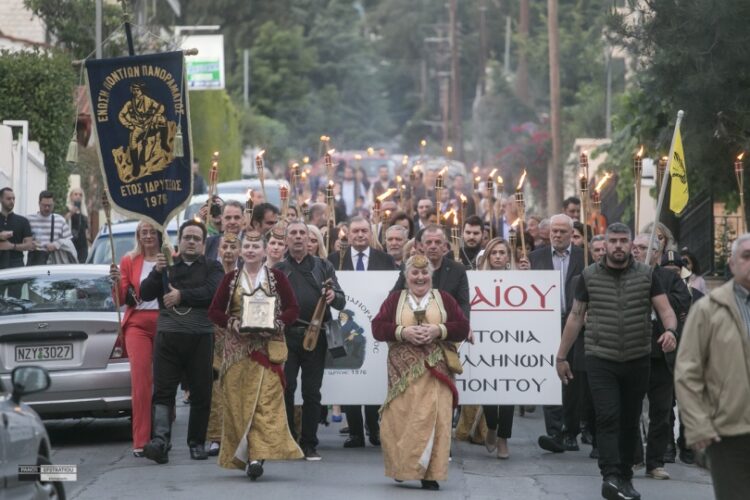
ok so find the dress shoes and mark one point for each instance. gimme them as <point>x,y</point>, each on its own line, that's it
<point>687,456</point>
<point>430,485</point>
<point>254,469</point>
<point>490,440</point>
<point>570,442</point>
<point>586,436</point>
<point>670,455</point>
<point>344,430</point>
<point>551,443</point>
<point>375,438</point>
<point>198,452</point>
<point>354,442</point>
<point>156,450</point>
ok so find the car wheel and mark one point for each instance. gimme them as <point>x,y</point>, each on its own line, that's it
<point>53,490</point>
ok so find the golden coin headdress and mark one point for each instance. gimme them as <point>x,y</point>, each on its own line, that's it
<point>253,236</point>
<point>420,262</point>
<point>230,238</point>
<point>278,231</point>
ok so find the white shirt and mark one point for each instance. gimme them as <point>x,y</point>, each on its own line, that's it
<point>560,262</point>
<point>365,257</point>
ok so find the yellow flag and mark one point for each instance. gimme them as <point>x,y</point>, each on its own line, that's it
<point>678,196</point>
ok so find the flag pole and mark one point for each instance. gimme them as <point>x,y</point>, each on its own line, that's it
<point>663,189</point>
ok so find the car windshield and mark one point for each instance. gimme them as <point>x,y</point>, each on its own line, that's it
<point>53,293</point>
<point>124,242</point>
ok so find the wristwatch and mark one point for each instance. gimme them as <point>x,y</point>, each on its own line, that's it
<point>671,330</point>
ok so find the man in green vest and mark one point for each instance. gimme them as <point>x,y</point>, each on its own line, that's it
<point>614,298</point>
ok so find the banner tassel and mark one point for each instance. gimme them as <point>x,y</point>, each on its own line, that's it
<point>179,149</point>
<point>72,156</point>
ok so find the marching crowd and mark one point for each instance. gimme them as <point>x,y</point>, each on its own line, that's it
<point>236,316</point>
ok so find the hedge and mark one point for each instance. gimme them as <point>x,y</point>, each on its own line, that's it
<point>216,127</point>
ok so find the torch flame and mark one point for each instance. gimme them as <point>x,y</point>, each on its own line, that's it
<point>739,157</point>
<point>262,152</point>
<point>475,170</point>
<point>358,157</point>
<point>330,184</point>
<point>500,180</point>
<point>640,152</point>
<point>447,215</point>
<point>492,174</point>
<point>521,181</point>
<point>197,219</point>
<point>477,179</point>
<point>387,194</point>
<point>399,179</point>
<point>249,194</point>
<point>331,151</point>
<point>324,138</point>
<point>370,151</point>
<point>405,160</point>
<point>602,182</point>
<point>455,219</point>
<point>463,198</point>
<point>423,142</point>
<point>515,223</point>
<point>443,170</point>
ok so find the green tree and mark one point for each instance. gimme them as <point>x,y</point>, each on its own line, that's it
<point>38,87</point>
<point>72,22</point>
<point>215,126</point>
<point>694,58</point>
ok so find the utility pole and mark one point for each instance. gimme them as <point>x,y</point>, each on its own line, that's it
<point>554,179</point>
<point>522,71</point>
<point>246,77</point>
<point>506,57</point>
<point>456,118</point>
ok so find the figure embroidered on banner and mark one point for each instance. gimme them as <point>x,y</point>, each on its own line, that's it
<point>149,148</point>
<point>355,343</point>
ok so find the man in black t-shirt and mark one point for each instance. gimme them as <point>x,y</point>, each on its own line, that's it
<point>615,297</point>
<point>15,232</point>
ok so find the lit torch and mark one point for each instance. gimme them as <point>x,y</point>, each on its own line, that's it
<point>328,160</point>
<point>637,175</point>
<point>249,209</point>
<point>660,172</point>
<point>260,167</point>
<point>439,186</point>
<point>331,223</point>
<point>596,196</point>
<point>284,194</point>
<point>521,207</point>
<point>584,187</point>
<point>739,173</point>
<point>455,239</point>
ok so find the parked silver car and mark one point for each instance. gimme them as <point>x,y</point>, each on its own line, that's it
<point>63,318</point>
<point>23,438</point>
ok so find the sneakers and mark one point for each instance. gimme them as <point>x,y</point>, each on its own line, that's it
<point>658,473</point>
<point>311,454</point>
<point>213,449</point>
<point>614,488</point>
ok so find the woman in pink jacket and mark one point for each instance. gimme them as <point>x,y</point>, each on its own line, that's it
<point>139,326</point>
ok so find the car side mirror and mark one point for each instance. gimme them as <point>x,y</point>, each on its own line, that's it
<point>28,380</point>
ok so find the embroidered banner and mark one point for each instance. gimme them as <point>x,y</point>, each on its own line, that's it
<point>141,116</point>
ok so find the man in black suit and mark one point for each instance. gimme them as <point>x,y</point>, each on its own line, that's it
<point>449,276</point>
<point>361,257</point>
<point>562,422</point>
<point>232,221</point>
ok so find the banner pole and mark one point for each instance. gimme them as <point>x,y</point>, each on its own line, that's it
<point>128,29</point>
<point>663,189</point>
<point>108,217</point>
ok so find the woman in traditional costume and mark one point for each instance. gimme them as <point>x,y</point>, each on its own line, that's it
<point>252,374</point>
<point>229,252</point>
<point>420,325</point>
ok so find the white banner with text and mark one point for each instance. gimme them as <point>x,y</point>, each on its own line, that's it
<point>515,320</point>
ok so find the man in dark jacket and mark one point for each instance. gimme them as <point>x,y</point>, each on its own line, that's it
<point>661,381</point>
<point>307,275</point>
<point>184,342</point>
<point>562,423</point>
<point>361,257</point>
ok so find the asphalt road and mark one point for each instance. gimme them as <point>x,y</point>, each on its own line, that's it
<point>107,470</point>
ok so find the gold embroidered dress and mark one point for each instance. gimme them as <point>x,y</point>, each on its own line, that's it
<point>415,428</point>
<point>252,377</point>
